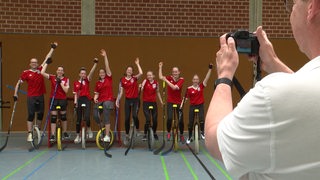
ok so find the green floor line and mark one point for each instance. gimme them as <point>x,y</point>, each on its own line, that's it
<point>216,164</point>
<point>188,165</point>
<point>165,171</point>
<point>25,164</point>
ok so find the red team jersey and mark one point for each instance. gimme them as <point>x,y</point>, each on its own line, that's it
<point>60,94</point>
<point>130,87</point>
<point>150,91</point>
<point>35,82</point>
<point>104,89</point>
<point>84,88</point>
<point>174,96</point>
<point>196,94</point>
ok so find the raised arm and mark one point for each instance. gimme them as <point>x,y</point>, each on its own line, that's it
<point>139,68</point>
<point>53,47</point>
<point>106,61</point>
<point>43,71</point>
<point>208,75</point>
<point>174,87</point>
<point>95,62</point>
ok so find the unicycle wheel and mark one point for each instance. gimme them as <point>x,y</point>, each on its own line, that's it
<point>59,139</point>
<point>196,139</point>
<point>99,139</point>
<point>83,138</point>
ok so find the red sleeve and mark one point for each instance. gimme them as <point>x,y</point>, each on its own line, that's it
<point>202,86</point>
<point>51,77</point>
<point>40,68</point>
<point>180,83</point>
<point>75,89</point>
<point>188,93</point>
<point>23,76</point>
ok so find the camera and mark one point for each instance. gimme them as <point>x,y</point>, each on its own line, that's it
<point>246,42</point>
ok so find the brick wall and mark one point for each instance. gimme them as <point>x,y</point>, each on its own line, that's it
<point>200,18</point>
<point>40,16</point>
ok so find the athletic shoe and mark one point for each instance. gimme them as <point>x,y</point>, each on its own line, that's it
<point>144,138</point>
<point>90,134</point>
<point>29,138</point>
<point>52,138</point>
<point>182,140</point>
<point>65,135</point>
<point>156,137</point>
<point>106,138</point>
<point>77,140</point>
<point>126,141</point>
<point>168,136</point>
<point>189,140</point>
<point>202,136</point>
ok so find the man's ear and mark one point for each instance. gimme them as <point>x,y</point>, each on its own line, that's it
<point>313,10</point>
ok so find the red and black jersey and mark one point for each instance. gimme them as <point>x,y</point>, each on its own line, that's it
<point>82,89</point>
<point>150,91</point>
<point>130,87</point>
<point>35,81</point>
<point>196,94</point>
<point>104,89</point>
<point>174,96</point>
<point>60,94</point>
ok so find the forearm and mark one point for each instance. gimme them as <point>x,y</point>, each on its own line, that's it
<point>16,89</point>
<point>92,71</point>
<point>139,70</point>
<point>160,98</point>
<point>279,66</point>
<point>49,55</point>
<point>43,71</point>
<point>106,62</point>
<point>220,106</point>
<point>174,87</point>
<point>65,88</point>
<point>207,77</point>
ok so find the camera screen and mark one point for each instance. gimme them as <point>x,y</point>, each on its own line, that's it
<point>243,45</point>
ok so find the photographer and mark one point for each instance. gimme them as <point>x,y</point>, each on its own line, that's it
<point>273,133</point>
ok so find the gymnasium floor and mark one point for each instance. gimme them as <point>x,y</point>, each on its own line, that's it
<point>75,163</point>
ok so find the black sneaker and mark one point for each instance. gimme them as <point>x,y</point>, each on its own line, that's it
<point>65,135</point>
<point>52,138</point>
<point>144,138</point>
<point>156,137</point>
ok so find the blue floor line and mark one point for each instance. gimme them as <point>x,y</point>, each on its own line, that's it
<point>41,165</point>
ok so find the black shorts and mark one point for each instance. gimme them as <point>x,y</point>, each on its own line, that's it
<point>35,104</point>
<point>59,102</point>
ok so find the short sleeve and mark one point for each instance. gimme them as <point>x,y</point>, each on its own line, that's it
<point>244,136</point>
<point>23,76</point>
<point>180,83</point>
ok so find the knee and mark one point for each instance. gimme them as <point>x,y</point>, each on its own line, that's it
<point>54,118</point>
<point>30,117</point>
<point>63,117</point>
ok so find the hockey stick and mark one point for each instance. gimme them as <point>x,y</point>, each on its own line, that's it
<point>10,126</point>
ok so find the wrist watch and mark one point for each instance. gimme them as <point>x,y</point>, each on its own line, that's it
<point>223,81</point>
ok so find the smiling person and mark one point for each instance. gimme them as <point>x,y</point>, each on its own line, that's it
<point>60,99</point>
<point>273,133</point>
<point>36,91</point>
<point>129,84</point>
<point>150,91</point>
<point>196,97</point>
<point>81,91</point>
<point>103,95</point>
<point>175,83</point>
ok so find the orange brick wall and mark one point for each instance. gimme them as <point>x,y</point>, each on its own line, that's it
<point>187,18</point>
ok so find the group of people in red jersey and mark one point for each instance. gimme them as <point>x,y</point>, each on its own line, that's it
<point>103,96</point>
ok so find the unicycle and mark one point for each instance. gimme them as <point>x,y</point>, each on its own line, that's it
<point>196,131</point>
<point>36,135</point>
<point>59,131</point>
<point>132,134</point>
<point>83,127</point>
<point>150,133</point>
<point>101,134</point>
<point>175,128</point>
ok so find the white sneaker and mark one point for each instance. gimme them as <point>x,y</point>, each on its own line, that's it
<point>202,136</point>
<point>77,140</point>
<point>189,140</point>
<point>29,138</point>
<point>90,134</point>
<point>106,138</point>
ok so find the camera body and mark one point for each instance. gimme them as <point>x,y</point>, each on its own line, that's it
<point>246,42</point>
